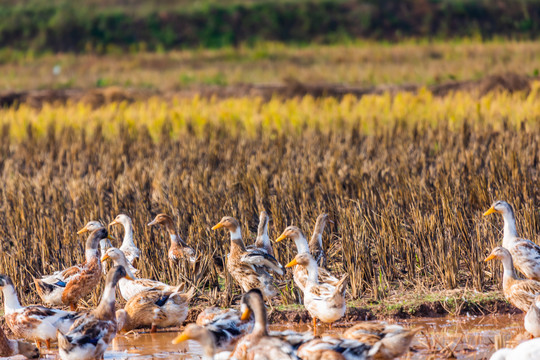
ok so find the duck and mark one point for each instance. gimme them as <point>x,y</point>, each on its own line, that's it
<point>300,273</point>
<point>225,325</point>
<point>90,335</point>
<point>525,253</point>
<point>532,318</point>
<point>259,344</point>
<point>154,309</point>
<point>130,288</point>
<point>178,249</point>
<point>205,338</point>
<point>323,301</point>
<point>128,246</point>
<point>262,242</point>
<point>34,322</point>
<point>393,340</point>
<point>14,347</point>
<point>315,244</point>
<point>527,350</point>
<point>250,269</point>
<point>76,282</point>
<point>519,292</point>
<point>104,244</point>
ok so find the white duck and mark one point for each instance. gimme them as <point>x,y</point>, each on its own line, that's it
<point>323,301</point>
<point>525,253</point>
<point>130,288</point>
<point>527,350</point>
<point>128,246</point>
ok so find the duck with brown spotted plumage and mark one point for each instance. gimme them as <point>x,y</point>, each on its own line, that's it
<point>323,301</point>
<point>14,347</point>
<point>34,322</point>
<point>519,292</point>
<point>77,281</point>
<point>179,249</point>
<point>90,335</point>
<point>249,268</point>
<point>154,309</point>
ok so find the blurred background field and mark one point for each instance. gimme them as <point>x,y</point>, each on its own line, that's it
<point>403,120</point>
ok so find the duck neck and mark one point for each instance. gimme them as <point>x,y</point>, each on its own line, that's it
<point>313,272</point>
<point>237,244</point>
<point>105,309</point>
<point>261,324</point>
<point>175,238</point>
<point>11,300</point>
<point>91,250</point>
<point>128,235</point>
<point>510,231</point>
<point>301,244</point>
<point>208,345</point>
<point>509,272</point>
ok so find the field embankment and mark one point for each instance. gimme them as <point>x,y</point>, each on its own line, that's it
<point>405,178</point>
<point>250,70</point>
<point>66,26</point>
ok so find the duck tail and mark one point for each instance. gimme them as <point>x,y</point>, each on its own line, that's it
<point>42,288</point>
<point>341,286</point>
<point>190,293</point>
<point>63,341</point>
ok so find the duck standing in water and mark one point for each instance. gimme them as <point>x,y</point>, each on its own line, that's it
<point>91,334</point>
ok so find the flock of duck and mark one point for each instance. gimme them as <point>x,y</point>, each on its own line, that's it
<point>233,333</point>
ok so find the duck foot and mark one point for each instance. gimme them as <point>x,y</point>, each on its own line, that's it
<point>48,344</point>
<point>153,329</point>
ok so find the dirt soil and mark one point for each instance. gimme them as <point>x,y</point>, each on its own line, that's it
<point>510,82</point>
<point>434,304</point>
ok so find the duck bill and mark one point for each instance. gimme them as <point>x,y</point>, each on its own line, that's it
<point>490,257</point>
<point>83,230</point>
<point>245,315</point>
<point>217,226</point>
<point>105,257</point>
<point>152,223</point>
<point>113,223</point>
<point>292,263</point>
<point>281,238</point>
<point>490,211</point>
<point>110,237</point>
<point>180,338</point>
<point>129,277</point>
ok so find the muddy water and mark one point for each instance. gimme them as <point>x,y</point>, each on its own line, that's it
<point>465,337</point>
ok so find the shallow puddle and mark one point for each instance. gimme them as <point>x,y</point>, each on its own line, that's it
<point>464,337</point>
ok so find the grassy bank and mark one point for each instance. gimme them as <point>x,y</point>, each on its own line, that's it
<point>405,180</point>
<point>64,26</point>
<point>358,63</point>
